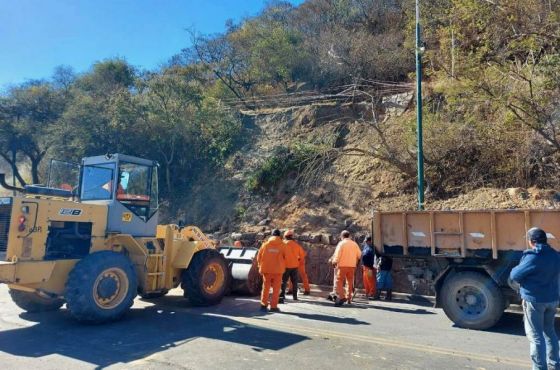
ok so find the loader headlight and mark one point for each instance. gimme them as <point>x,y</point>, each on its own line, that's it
<point>21,221</point>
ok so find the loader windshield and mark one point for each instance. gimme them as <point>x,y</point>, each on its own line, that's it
<point>63,175</point>
<point>137,188</point>
<point>97,183</point>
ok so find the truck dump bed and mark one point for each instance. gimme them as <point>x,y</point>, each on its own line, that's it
<point>461,234</point>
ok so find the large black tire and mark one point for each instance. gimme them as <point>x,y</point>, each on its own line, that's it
<point>206,280</point>
<point>101,287</point>
<point>472,300</point>
<point>32,302</point>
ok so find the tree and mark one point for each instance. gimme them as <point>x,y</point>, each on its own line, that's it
<point>28,115</point>
<point>169,103</point>
<point>101,115</point>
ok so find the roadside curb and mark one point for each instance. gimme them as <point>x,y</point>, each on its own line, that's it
<point>413,298</point>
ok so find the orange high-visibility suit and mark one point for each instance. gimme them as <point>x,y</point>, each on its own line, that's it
<point>294,254</point>
<point>302,273</point>
<point>271,260</point>
<point>346,257</point>
<point>369,277</point>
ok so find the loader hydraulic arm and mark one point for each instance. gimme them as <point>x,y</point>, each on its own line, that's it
<point>195,234</point>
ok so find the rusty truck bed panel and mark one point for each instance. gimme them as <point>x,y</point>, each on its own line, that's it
<point>481,233</point>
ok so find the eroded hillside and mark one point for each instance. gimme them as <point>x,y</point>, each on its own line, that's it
<point>346,180</point>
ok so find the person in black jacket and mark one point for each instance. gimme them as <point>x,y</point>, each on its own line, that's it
<point>384,278</point>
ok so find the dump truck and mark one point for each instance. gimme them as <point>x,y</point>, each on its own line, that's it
<point>90,239</point>
<point>466,255</point>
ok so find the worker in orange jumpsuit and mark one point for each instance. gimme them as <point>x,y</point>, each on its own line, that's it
<point>346,257</point>
<point>294,253</point>
<point>369,271</point>
<point>271,261</point>
<point>303,274</point>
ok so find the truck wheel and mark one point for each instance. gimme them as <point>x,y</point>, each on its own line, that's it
<point>101,287</point>
<point>206,279</point>
<point>33,302</point>
<point>472,300</point>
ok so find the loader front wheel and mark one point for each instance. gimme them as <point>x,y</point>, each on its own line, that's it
<point>33,302</point>
<point>101,287</point>
<point>206,279</point>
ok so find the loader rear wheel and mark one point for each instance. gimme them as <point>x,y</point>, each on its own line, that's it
<point>472,300</point>
<point>33,302</point>
<point>101,287</point>
<point>206,279</point>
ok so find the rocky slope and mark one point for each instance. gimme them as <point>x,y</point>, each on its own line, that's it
<point>350,187</point>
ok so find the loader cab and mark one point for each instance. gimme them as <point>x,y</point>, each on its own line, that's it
<point>128,186</point>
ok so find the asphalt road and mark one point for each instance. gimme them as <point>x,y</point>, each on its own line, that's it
<point>167,333</point>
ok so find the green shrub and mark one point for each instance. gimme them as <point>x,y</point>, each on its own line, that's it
<point>281,163</point>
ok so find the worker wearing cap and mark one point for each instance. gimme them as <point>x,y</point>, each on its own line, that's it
<point>271,260</point>
<point>346,257</point>
<point>294,253</point>
<point>537,274</point>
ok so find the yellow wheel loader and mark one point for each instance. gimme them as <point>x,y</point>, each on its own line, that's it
<point>90,238</point>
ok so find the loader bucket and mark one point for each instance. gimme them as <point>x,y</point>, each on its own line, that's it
<point>243,267</point>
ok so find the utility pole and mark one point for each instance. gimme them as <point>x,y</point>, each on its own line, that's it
<point>13,147</point>
<point>452,53</point>
<point>420,151</point>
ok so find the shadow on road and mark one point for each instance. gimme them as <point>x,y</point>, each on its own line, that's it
<point>335,319</point>
<point>417,311</point>
<point>142,332</point>
<point>357,303</point>
<point>511,323</point>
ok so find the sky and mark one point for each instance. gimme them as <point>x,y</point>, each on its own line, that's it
<point>38,35</point>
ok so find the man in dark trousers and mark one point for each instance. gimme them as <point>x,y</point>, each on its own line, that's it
<point>384,277</point>
<point>294,252</point>
<point>537,275</point>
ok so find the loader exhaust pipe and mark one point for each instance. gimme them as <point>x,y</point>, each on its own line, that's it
<point>7,186</point>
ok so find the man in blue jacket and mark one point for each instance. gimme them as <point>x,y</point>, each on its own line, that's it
<point>537,274</point>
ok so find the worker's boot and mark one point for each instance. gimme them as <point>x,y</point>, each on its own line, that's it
<point>307,292</point>
<point>281,300</point>
<point>339,302</point>
<point>389,295</point>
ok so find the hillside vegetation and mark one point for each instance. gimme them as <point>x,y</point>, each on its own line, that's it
<point>305,115</point>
